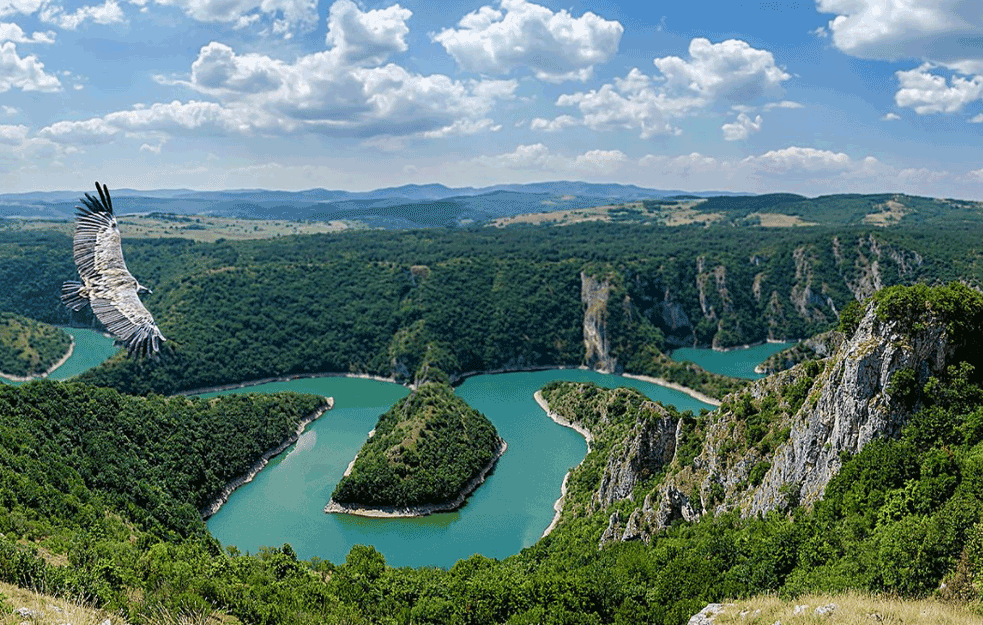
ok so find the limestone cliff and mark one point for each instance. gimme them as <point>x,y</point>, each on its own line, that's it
<point>594,294</point>
<point>778,443</point>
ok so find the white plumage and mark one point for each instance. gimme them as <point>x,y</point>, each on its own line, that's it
<point>106,284</point>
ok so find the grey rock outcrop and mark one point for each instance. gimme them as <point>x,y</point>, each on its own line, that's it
<point>649,447</point>
<point>852,406</point>
<point>594,294</point>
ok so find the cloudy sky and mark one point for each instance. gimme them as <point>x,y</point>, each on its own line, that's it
<point>808,96</point>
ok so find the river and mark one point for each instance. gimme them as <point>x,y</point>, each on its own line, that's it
<point>91,348</point>
<point>285,502</point>
<point>739,363</point>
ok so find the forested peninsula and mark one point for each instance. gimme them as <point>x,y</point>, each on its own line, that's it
<point>30,348</point>
<point>426,454</point>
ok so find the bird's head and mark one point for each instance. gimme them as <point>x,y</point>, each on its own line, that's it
<point>142,289</point>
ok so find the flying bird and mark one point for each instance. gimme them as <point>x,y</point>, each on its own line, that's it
<point>106,284</point>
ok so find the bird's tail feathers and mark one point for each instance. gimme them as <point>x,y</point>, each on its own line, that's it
<point>71,295</point>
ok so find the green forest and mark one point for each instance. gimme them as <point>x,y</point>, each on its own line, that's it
<point>424,451</point>
<point>29,347</point>
<point>462,300</point>
<point>100,499</point>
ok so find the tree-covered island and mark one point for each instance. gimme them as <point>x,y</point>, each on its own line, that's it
<point>427,454</point>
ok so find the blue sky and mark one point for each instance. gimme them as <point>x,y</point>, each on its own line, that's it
<point>814,97</point>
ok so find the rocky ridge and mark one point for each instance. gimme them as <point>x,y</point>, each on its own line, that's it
<point>775,444</point>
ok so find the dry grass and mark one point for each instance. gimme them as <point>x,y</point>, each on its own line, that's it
<point>561,217</point>
<point>891,213</point>
<point>47,610</point>
<point>778,220</point>
<point>850,608</point>
<point>196,227</point>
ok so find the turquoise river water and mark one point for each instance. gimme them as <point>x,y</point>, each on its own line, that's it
<point>510,511</point>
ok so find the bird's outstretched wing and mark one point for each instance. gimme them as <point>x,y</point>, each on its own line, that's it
<point>106,284</point>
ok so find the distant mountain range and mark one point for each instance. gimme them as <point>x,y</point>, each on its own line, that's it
<point>407,206</point>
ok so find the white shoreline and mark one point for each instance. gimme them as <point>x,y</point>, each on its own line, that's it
<point>394,512</point>
<point>223,496</point>
<point>706,399</point>
<point>282,378</point>
<point>558,504</point>
<point>49,371</point>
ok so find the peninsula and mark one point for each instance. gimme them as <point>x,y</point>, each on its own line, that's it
<point>426,454</point>
<point>31,349</point>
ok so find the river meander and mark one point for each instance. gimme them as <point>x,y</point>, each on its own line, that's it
<point>91,348</point>
<point>285,502</point>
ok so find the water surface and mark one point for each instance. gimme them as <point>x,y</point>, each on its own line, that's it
<point>91,349</point>
<point>739,363</point>
<point>284,504</point>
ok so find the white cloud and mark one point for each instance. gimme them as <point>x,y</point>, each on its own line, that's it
<point>889,117</point>
<point>332,92</point>
<point>91,131</point>
<point>796,159</point>
<point>9,110</point>
<point>154,149</point>
<point>553,125</point>
<point>929,93</point>
<point>27,7</point>
<point>632,102</point>
<point>106,13</point>
<point>13,32</point>
<point>978,119</point>
<point>369,37</point>
<point>554,46</point>
<point>463,127</point>
<point>293,13</point>
<point>784,104</point>
<point>977,174</point>
<point>600,161</point>
<point>947,32</point>
<point>13,135</point>
<point>26,73</point>
<point>683,165</point>
<point>731,70</point>
<point>741,128</point>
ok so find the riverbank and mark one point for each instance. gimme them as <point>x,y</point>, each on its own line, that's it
<point>706,399</point>
<point>283,378</point>
<point>46,373</point>
<point>334,507</point>
<point>558,504</point>
<point>260,464</point>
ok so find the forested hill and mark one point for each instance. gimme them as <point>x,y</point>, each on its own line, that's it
<point>389,303</point>
<point>29,347</point>
<point>425,451</point>
<point>97,491</point>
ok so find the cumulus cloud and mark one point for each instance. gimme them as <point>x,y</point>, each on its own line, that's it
<point>796,159</point>
<point>26,7</point>
<point>947,32</point>
<point>553,125</point>
<point>741,128</point>
<point>929,93</point>
<point>683,165</point>
<point>367,37</point>
<point>731,72</point>
<point>890,117</point>
<point>554,46</point>
<point>600,161</point>
<point>14,33</point>
<point>13,135</point>
<point>25,73</point>
<point>341,91</point>
<point>239,13</point>
<point>978,119</point>
<point>106,13</point>
<point>9,110</point>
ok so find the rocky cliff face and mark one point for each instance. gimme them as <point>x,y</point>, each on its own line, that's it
<point>594,294</point>
<point>649,446</point>
<point>778,443</point>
